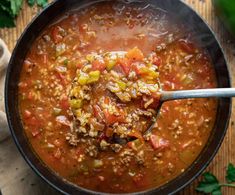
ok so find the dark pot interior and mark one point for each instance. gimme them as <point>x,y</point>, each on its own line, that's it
<point>204,35</point>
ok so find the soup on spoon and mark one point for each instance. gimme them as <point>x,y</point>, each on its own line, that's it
<point>115,96</point>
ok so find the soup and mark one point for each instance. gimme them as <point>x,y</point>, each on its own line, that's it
<point>85,111</point>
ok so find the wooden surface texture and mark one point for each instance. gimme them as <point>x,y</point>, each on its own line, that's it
<point>17,178</point>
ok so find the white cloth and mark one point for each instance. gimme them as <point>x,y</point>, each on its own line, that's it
<point>16,177</point>
<point>4,59</point>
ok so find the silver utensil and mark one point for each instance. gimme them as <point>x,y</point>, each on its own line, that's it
<point>184,94</point>
<point>197,93</point>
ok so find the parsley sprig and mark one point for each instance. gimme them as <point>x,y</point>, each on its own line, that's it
<point>211,185</point>
<point>9,10</point>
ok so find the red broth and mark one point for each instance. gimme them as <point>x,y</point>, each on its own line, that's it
<point>182,128</point>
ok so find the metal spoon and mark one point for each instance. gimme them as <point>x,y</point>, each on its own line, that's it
<point>184,94</point>
<point>195,93</point>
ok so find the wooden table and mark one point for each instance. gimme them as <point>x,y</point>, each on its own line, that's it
<point>17,178</point>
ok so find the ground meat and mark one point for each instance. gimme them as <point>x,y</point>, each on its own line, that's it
<point>92,151</point>
<point>72,139</point>
<point>116,147</point>
<point>144,112</point>
<point>104,145</point>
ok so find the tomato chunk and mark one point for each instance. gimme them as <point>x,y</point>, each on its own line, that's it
<point>111,118</point>
<point>98,65</point>
<point>64,103</point>
<point>135,54</point>
<point>158,142</point>
<point>125,64</point>
<point>98,112</point>
<point>157,60</point>
<point>56,35</point>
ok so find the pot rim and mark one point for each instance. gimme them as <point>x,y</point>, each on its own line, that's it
<point>183,179</point>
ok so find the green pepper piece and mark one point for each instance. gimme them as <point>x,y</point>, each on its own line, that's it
<point>122,85</point>
<point>225,9</point>
<point>75,103</point>
<point>90,58</point>
<point>111,64</point>
<point>149,73</point>
<point>82,80</point>
<point>66,61</point>
<point>93,76</point>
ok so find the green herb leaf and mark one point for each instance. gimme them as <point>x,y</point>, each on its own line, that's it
<point>6,6</point>
<point>216,192</point>
<point>6,20</point>
<point>230,174</point>
<point>31,2</point>
<point>16,6</point>
<point>209,184</point>
<point>9,10</point>
<point>42,3</point>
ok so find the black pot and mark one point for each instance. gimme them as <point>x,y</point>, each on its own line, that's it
<point>204,35</point>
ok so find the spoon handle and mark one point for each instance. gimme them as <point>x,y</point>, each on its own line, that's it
<point>197,93</point>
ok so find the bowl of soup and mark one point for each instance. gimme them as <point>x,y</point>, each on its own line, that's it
<point>78,108</point>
